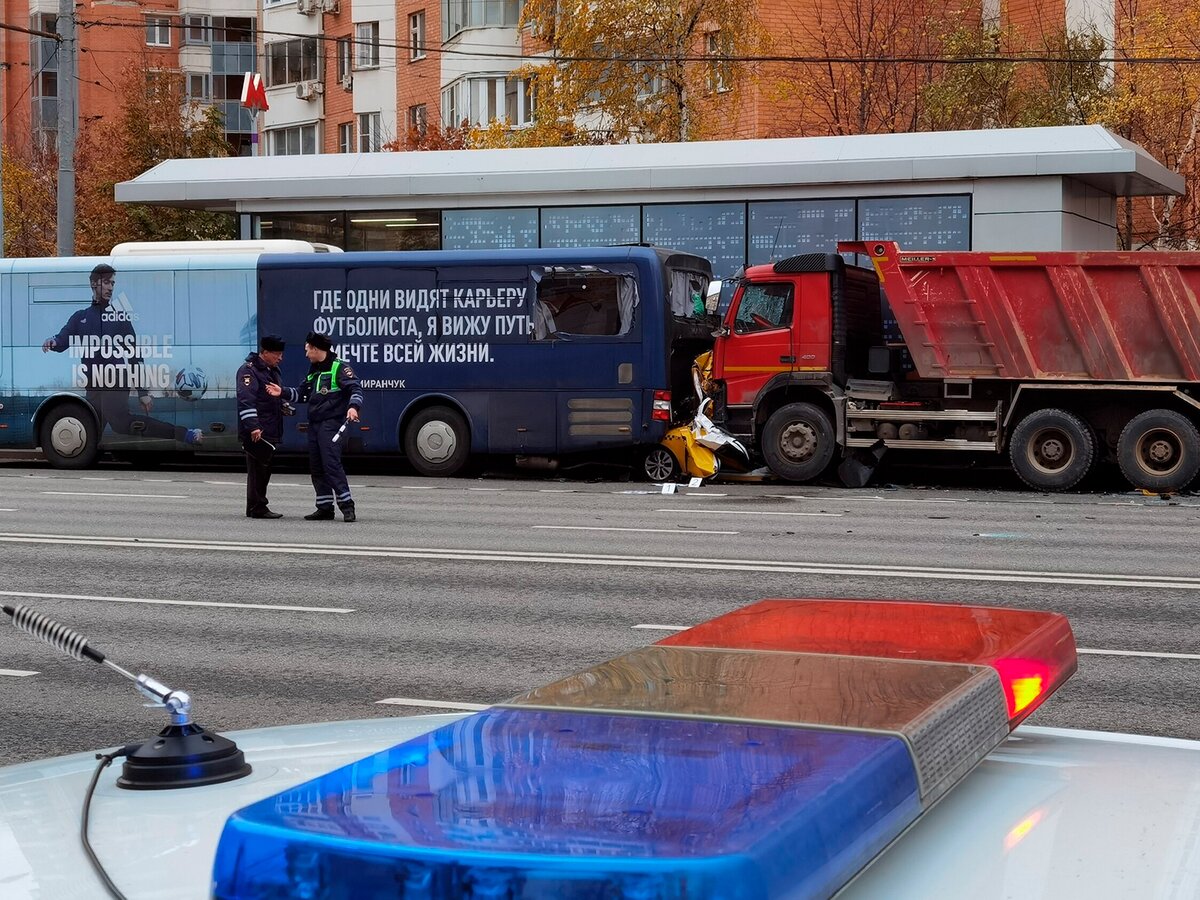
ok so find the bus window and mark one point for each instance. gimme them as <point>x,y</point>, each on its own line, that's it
<point>578,302</point>
<point>688,293</point>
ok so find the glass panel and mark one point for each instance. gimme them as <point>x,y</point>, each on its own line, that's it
<point>323,228</point>
<point>589,226</point>
<point>394,230</point>
<point>917,223</point>
<point>785,228</point>
<point>716,231</point>
<point>470,229</point>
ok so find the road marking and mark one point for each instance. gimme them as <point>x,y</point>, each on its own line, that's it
<point>9,509</point>
<point>1081,650</point>
<point>418,487</point>
<point>270,606</point>
<point>488,490</point>
<point>226,483</point>
<point>16,673</point>
<point>556,490</point>
<point>433,704</point>
<point>750,512</point>
<point>876,499</point>
<point>649,530</point>
<point>98,494</point>
<point>1153,654</point>
<point>94,478</point>
<point>789,567</point>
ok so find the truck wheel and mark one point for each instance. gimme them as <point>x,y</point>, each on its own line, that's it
<point>658,464</point>
<point>1159,450</point>
<point>70,439</point>
<point>1052,449</point>
<point>437,441</point>
<point>798,442</point>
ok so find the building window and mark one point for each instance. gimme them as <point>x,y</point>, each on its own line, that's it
<point>158,31</point>
<point>199,87</point>
<point>416,35</point>
<point>294,141</point>
<point>366,45</point>
<point>343,62</point>
<point>346,137</point>
<point>718,73</point>
<point>197,29</point>
<point>418,121</point>
<point>480,100</point>
<point>460,14</point>
<point>292,61</point>
<point>369,138</point>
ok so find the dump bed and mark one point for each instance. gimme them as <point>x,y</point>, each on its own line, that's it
<point>1080,316</point>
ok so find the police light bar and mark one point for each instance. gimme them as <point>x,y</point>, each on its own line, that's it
<point>1032,652</point>
<point>713,764</point>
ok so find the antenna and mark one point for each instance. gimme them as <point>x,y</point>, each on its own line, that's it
<point>183,754</point>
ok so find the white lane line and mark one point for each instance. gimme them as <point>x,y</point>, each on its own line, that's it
<point>556,490</point>
<point>648,530</point>
<point>488,490</point>
<point>418,487</point>
<point>703,496</point>
<point>1153,654</point>
<point>433,704</point>
<point>933,573</point>
<point>16,673</point>
<point>226,483</point>
<point>650,627</point>
<point>94,478</point>
<point>750,512</point>
<point>270,606</point>
<point>98,494</point>
<point>8,509</point>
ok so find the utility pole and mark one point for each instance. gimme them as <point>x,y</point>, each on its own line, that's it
<point>68,117</point>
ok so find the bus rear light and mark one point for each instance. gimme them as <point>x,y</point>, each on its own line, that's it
<point>662,406</point>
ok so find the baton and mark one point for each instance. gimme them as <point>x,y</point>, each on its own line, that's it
<point>338,436</point>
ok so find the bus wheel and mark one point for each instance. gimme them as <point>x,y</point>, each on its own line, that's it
<point>798,442</point>
<point>69,437</point>
<point>437,441</point>
<point>1159,450</point>
<point>658,464</point>
<point>1052,449</point>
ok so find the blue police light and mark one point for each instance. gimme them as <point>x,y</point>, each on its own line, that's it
<point>540,803</point>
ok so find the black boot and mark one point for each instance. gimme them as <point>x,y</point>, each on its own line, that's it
<point>320,515</point>
<point>348,514</point>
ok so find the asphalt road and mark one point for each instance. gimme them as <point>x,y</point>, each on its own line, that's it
<point>467,591</point>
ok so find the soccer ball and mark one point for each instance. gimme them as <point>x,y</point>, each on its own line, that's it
<point>191,383</point>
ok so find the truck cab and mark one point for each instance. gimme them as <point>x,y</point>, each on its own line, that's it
<point>793,332</point>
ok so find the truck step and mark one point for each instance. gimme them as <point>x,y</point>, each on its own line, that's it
<point>923,445</point>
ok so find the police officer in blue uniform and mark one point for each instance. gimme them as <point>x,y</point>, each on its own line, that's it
<point>334,398</point>
<point>260,400</point>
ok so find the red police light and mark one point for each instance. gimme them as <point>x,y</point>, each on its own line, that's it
<point>1032,652</point>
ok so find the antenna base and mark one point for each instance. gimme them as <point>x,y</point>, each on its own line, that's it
<point>182,756</point>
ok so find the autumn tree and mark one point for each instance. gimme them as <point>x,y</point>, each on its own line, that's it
<point>645,70</point>
<point>1000,77</point>
<point>1155,103</point>
<point>157,122</point>
<point>29,198</point>
<point>863,64</point>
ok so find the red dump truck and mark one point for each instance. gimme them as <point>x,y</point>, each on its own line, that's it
<point>1057,360</point>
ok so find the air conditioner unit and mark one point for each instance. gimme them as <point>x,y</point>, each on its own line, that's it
<point>308,7</point>
<point>307,90</point>
<point>348,81</point>
<point>330,6</point>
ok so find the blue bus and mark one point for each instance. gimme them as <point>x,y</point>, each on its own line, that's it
<point>531,353</point>
<point>536,353</point>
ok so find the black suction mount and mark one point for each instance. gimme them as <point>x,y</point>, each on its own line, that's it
<point>183,754</point>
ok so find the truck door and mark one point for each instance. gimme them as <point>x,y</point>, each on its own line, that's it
<point>760,342</point>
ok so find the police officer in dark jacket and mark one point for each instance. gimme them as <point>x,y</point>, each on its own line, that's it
<point>261,398</point>
<point>334,398</point>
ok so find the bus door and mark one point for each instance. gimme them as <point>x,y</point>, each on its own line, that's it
<point>505,379</point>
<point>760,340</point>
<point>589,318</point>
